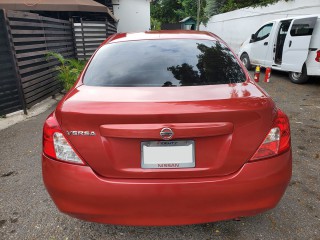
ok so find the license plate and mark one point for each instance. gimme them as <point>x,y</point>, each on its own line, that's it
<point>168,154</point>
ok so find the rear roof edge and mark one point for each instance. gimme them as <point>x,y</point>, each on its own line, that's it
<point>163,34</point>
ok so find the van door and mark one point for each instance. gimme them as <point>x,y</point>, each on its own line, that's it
<point>260,45</point>
<point>296,46</point>
<point>281,36</point>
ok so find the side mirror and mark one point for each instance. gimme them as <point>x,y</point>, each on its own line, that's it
<point>253,37</point>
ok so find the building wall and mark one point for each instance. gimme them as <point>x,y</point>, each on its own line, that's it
<point>237,26</point>
<point>133,15</point>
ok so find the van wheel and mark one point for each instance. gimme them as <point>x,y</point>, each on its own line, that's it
<point>299,78</point>
<point>246,61</point>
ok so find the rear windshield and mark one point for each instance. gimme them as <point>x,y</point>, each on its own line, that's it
<point>163,63</point>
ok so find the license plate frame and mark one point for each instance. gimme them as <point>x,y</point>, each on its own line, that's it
<point>168,154</point>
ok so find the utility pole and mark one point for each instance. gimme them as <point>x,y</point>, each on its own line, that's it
<point>198,14</point>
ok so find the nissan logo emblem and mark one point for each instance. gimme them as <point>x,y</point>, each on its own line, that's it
<point>166,133</point>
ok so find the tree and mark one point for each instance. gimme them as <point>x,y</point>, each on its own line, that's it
<point>173,11</point>
<point>165,11</point>
<point>155,24</point>
<point>214,7</point>
<point>189,9</point>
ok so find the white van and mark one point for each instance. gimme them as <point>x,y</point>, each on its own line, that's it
<point>291,45</point>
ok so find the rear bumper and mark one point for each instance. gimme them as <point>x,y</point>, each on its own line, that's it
<point>79,192</point>
<point>313,67</point>
<point>314,71</point>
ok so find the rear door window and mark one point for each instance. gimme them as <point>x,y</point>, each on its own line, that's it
<point>303,27</point>
<point>164,63</point>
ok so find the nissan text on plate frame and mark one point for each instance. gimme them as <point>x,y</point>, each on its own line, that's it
<point>165,128</point>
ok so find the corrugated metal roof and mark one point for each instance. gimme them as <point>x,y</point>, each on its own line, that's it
<point>183,20</point>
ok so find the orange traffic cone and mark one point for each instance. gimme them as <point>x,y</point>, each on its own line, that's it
<point>268,75</point>
<point>257,74</point>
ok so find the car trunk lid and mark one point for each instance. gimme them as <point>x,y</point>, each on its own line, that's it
<point>226,122</point>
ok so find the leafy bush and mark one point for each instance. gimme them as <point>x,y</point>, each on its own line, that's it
<point>68,70</point>
<point>155,24</point>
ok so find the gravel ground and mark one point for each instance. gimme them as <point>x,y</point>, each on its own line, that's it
<point>27,212</point>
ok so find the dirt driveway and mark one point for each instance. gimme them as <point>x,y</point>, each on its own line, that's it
<point>27,212</point>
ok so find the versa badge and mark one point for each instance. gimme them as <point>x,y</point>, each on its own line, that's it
<point>81,133</point>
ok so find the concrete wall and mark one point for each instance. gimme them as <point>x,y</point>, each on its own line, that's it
<point>133,15</point>
<point>237,26</point>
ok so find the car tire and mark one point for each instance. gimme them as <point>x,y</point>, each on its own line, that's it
<point>246,61</point>
<point>299,78</point>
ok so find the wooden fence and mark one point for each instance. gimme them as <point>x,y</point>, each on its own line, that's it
<point>88,36</point>
<point>11,99</point>
<point>27,75</point>
<point>33,36</point>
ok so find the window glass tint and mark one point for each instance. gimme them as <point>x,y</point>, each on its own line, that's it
<point>264,32</point>
<point>166,63</point>
<point>303,27</point>
<point>284,27</point>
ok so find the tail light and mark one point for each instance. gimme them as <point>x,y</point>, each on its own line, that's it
<point>278,139</point>
<point>318,56</point>
<point>55,145</point>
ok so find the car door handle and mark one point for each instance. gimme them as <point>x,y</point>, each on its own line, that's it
<point>266,43</point>
<point>290,43</point>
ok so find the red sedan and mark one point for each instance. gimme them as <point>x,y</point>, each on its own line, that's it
<point>165,128</point>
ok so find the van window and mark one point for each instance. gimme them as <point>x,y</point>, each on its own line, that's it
<point>264,32</point>
<point>164,63</point>
<point>303,27</point>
